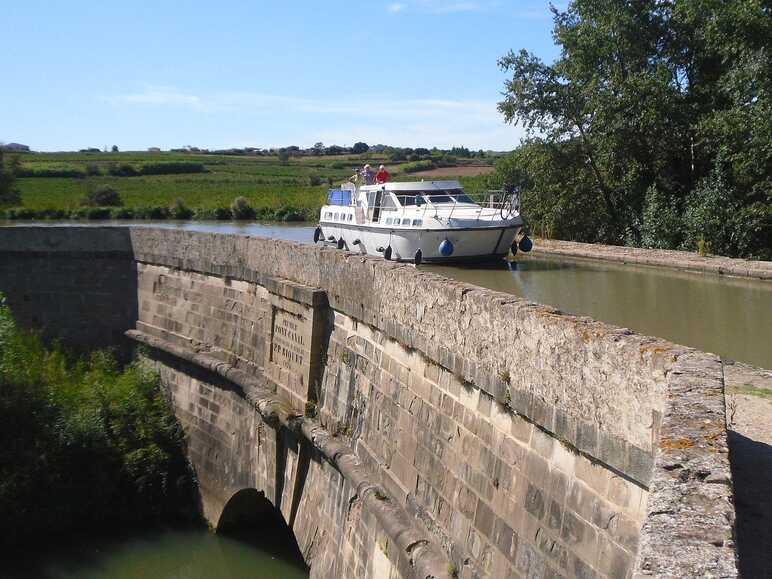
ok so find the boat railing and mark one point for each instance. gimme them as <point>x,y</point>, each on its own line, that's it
<point>437,205</point>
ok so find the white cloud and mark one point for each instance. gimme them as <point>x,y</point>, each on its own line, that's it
<point>158,95</point>
<point>372,118</point>
<point>442,6</point>
<point>451,7</point>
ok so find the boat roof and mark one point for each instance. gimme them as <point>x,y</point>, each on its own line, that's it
<point>414,186</point>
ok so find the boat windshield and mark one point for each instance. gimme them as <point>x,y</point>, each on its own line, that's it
<point>435,197</point>
<point>440,199</point>
<point>412,199</point>
<point>463,198</point>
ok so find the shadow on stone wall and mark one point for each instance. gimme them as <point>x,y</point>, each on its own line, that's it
<point>751,463</point>
<point>83,293</point>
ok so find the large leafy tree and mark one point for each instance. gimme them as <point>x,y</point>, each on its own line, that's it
<point>649,103</point>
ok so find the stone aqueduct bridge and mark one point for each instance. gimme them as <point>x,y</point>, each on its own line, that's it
<point>404,424</point>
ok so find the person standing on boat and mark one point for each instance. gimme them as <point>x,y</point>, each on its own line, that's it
<point>382,176</point>
<point>368,175</point>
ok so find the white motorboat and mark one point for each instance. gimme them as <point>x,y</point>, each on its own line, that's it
<point>432,221</point>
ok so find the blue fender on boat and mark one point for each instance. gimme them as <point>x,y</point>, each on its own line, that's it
<point>446,248</point>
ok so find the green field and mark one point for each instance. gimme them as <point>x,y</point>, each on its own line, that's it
<point>275,189</point>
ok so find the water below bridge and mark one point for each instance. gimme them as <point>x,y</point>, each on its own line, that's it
<point>731,317</point>
<point>172,554</point>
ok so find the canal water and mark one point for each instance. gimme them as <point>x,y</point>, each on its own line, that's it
<point>179,554</point>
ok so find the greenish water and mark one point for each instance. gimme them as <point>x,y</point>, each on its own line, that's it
<point>731,317</point>
<point>189,554</point>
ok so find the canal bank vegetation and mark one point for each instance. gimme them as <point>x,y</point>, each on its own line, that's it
<point>652,128</point>
<point>286,185</point>
<point>87,446</point>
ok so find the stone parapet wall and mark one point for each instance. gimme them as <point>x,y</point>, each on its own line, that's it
<point>681,260</point>
<point>601,388</point>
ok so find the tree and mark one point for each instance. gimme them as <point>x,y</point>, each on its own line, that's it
<point>318,148</point>
<point>9,194</point>
<point>360,148</point>
<point>115,149</point>
<point>646,101</point>
<point>102,196</point>
<point>284,155</point>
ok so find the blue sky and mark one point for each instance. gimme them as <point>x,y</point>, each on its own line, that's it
<point>237,73</point>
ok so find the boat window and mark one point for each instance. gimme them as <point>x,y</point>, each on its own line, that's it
<point>409,200</point>
<point>389,220</point>
<point>440,199</point>
<point>388,203</point>
<point>328,215</point>
<point>462,197</point>
<point>336,217</point>
<point>418,222</point>
<point>396,221</point>
<point>350,216</point>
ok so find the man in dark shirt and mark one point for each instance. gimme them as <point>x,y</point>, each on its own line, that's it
<point>368,175</point>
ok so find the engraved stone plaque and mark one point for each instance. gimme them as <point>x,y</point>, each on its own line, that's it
<point>293,358</point>
<point>291,341</point>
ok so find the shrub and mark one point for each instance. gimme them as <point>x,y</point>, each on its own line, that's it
<point>288,214</point>
<point>102,196</point>
<point>122,213</point>
<point>417,166</point>
<point>241,209</point>
<point>122,170</point>
<point>98,213</point>
<point>158,213</point>
<point>222,214</point>
<point>314,180</point>
<point>179,210</point>
<point>9,194</point>
<point>52,214</point>
<point>174,168</point>
<point>101,436</point>
<point>80,213</point>
<point>93,170</point>
<point>20,213</point>
<point>51,173</point>
<point>662,222</point>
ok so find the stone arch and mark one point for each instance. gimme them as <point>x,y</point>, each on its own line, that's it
<point>249,516</point>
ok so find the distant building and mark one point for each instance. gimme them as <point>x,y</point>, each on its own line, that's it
<point>15,147</point>
<point>153,150</point>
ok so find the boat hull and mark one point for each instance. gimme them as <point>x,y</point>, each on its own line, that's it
<point>469,244</point>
